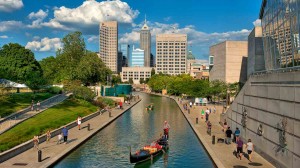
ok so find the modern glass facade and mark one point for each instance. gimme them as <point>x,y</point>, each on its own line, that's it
<point>137,57</point>
<point>124,48</point>
<point>280,25</point>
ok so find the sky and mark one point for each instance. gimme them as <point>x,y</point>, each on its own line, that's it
<point>39,25</point>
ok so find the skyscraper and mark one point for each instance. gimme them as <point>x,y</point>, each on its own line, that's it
<point>171,53</point>
<point>137,57</point>
<point>109,44</point>
<point>124,48</point>
<point>145,43</point>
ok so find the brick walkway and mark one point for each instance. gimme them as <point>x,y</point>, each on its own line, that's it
<point>221,153</point>
<point>51,152</point>
<point>26,113</point>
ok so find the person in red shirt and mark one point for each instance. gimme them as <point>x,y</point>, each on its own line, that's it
<point>121,105</point>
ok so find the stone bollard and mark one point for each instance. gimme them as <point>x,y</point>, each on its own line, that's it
<point>189,111</point>
<point>213,139</point>
<point>197,120</point>
<point>89,126</point>
<point>109,113</point>
<point>39,156</point>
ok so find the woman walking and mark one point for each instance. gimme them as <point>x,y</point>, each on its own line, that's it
<point>48,136</point>
<point>36,142</point>
<point>79,122</point>
<point>250,149</point>
<point>225,125</point>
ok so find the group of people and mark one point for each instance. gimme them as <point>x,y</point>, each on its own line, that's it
<point>239,142</point>
<point>38,105</point>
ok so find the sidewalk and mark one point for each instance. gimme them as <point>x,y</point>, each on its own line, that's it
<point>26,113</point>
<point>51,152</point>
<point>222,154</point>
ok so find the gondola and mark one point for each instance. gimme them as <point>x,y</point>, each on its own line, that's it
<point>150,107</point>
<point>149,152</point>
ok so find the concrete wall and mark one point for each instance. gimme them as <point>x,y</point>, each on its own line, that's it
<point>229,61</point>
<point>256,60</point>
<point>268,99</point>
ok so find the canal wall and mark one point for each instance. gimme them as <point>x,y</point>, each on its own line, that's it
<point>53,153</point>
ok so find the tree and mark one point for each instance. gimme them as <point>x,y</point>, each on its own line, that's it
<point>218,89</point>
<point>130,81</point>
<point>17,63</point>
<point>152,71</point>
<point>50,71</point>
<point>116,79</point>
<point>142,81</point>
<point>35,81</point>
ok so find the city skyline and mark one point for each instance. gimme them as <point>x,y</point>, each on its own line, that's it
<point>205,23</point>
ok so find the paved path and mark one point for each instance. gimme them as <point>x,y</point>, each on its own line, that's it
<point>52,152</point>
<point>221,153</point>
<point>26,113</point>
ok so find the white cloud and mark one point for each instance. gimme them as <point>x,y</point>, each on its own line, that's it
<point>93,39</point>
<point>257,22</point>
<point>129,38</point>
<point>46,44</point>
<point>4,37</point>
<point>10,5</point>
<point>10,25</point>
<point>37,18</point>
<point>90,14</point>
<point>166,19</point>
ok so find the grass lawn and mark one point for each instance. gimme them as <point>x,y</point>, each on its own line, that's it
<point>50,119</point>
<point>18,101</point>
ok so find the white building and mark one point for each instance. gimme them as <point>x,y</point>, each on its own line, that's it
<point>137,57</point>
<point>135,73</point>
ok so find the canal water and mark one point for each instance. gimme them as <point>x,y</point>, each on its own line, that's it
<point>110,147</point>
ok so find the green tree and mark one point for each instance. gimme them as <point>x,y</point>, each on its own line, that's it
<point>130,81</point>
<point>50,71</point>
<point>142,81</point>
<point>152,71</point>
<point>35,81</point>
<point>116,79</point>
<point>218,89</point>
<point>17,63</point>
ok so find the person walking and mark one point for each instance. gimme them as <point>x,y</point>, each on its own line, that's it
<point>32,105</point>
<point>59,138</point>
<point>209,125</point>
<point>215,110</point>
<point>191,104</point>
<point>38,104</point>
<point>206,114</point>
<point>65,134</point>
<point>36,142</point>
<point>228,136</point>
<point>48,136</point>
<point>237,133</point>
<point>202,113</point>
<point>79,121</point>
<point>239,148</point>
<point>250,149</point>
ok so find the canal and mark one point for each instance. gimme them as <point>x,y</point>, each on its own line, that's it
<point>136,128</point>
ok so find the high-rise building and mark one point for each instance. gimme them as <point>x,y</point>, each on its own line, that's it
<point>120,61</point>
<point>229,61</point>
<point>151,60</point>
<point>108,48</point>
<point>125,48</point>
<point>145,43</point>
<point>171,53</point>
<point>137,57</point>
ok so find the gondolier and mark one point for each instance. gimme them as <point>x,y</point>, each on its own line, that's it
<point>166,129</point>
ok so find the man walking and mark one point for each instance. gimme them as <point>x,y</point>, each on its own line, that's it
<point>65,134</point>
<point>206,115</point>
<point>228,136</point>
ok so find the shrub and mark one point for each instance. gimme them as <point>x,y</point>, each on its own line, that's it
<point>103,102</point>
<point>54,90</point>
<point>84,93</point>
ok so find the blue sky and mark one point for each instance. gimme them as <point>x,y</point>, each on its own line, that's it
<point>39,25</point>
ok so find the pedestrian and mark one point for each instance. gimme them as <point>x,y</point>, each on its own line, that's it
<point>202,113</point>
<point>48,136</point>
<point>209,125</point>
<point>225,125</point>
<point>79,121</point>
<point>228,136</point>
<point>191,104</point>
<point>121,105</point>
<point>215,110</point>
<point>36,142</point>
<point>32,105</point>
<point>239,148</point>
<point>65,134</point>
<point>59,138</point>
<point>38,104</point>
<point>210,110</point>
<point>206,114</point>
<point>237,133</point>
<point>250,149</point>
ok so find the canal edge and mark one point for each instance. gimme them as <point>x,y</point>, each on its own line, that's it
<point>67,151</point>
<point>208,149</point>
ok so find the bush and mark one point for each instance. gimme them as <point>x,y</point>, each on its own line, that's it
<point>55,90</point>
<point>103,102</point>
<point>84,93</point>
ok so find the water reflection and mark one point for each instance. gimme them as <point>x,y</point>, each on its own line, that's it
<point>136,128</point>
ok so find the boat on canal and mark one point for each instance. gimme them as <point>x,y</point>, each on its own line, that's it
<point>150,151</point>
<point>150,107</point>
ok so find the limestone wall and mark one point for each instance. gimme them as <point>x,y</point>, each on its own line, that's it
<point>270,99</point>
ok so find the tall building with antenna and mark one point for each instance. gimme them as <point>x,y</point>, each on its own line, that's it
<point>145,43</point>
